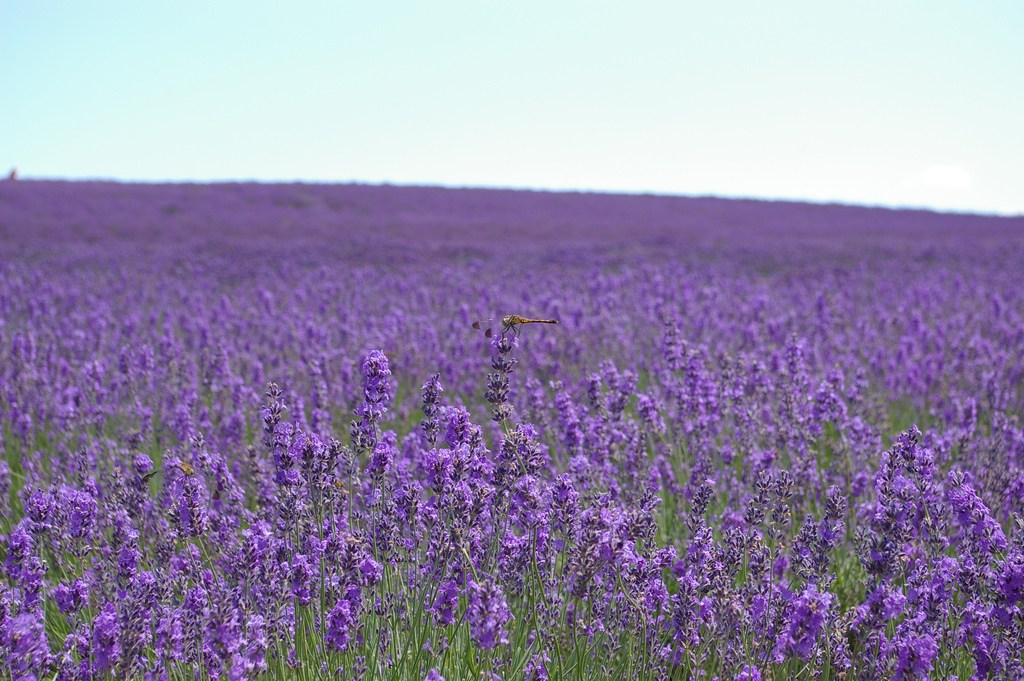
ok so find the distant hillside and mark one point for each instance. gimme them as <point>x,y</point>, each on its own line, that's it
<point>50,216</point>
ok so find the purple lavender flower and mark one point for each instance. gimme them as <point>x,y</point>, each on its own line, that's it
<point>106,643</point>
<point>488,614</point>
<point>439,466</point>
<point>188,507</point>
<point>72,597</point>
<point>565,500</point>
<point>650,413</point>
<point>250,661</point>
<point>519,455</point>
<point>446,603</point>
<point>1010,578</point>
<point>382,458</point>
<point>915,655</point>
<point>24,639</point>
<point>377,392</point>
<point>536,669</point>
<point>807,614</point>
<point>41,507</point>
<point>302,573</point>
<point>498,387</point>
<point>432,390</point>
<point>340,622</point>
<point>288,445</point>
<point>459,430</point>
<point>24,567</point>
<point>749,673</point>
<point>195,620</point>
<point>169,641</point>
<point>81,509</point>
<point>143,464</point>
<point>316,459</point>
<point>974,516</point>
<point>5,483</point>
<point>370,570</point>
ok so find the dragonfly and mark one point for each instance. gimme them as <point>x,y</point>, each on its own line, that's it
<point>510,322</point>
<point>187,470</point>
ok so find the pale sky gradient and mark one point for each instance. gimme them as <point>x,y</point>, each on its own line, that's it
<point>896,102</point>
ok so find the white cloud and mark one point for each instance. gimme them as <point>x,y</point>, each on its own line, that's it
<point>945,177</point>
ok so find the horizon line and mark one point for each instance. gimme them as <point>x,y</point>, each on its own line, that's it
<point>1013,213</point>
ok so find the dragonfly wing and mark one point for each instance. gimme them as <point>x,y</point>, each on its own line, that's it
<point>484,325</point>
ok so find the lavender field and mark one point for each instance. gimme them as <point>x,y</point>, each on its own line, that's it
<point>248,431</point>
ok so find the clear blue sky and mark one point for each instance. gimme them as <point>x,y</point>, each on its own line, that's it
<point>891,102</point>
